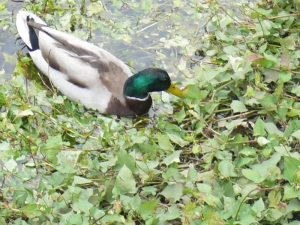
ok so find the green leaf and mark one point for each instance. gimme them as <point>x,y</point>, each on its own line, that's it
<point>96,213</point>
<point>82,205</point>
<point>238,106</point>
<point>223,37</point>
<point>248,151</point>
<point>211,106</point>
<point>192,91</point>
<point>259,128</point>
<point>282,112</point>
<point>247,219</point>
<point>262,141</point>
<point>125,159</point>
<point>150,189</point>
<point>296,134</point>
<point>52,147</point>
<point>192,174</point>
<point>171,173</point>
<point>147,208</point>
<point>296,90</point>
<point>56,179</point>
<point>291,170</point>
<point>263,48</point>
<point>125,182</point>
<point>293,206</point>
<point>205,188</point>
<point>173,192</point>
<point>80,180</point>
<point>268,102</point>
<point>164,143</point>
<point>174,157</point>
<point>226,169</point>
<point>234,123</point>
<point>25,113</point>
<point>173,213</point>
<point>258,207</point>
<point>11,166</point>
<point>271,58</point>
<point>212,217</point>
<point>264,11</point>
<point>273,214</point>
<point>253,176</point>
<point>231,50</point>
<point>19,196</point>
<point>243,161</point>
<point>32,210</point>
<point>178,140</point>
<point>72,218</point>
<point>285,76</point>
<point>271,128</point>
<point>274,198</point>
<point>290,192</point>
<point>179,116</point>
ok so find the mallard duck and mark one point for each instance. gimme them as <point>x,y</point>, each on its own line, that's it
<point>88,74</point>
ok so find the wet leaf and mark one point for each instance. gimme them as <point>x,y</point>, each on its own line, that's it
<point>32,210</point>
<point>125,182</point>
<point>291,169</point>
<point>174,157</point>
<point>80,180</point>
<point>253,176</point>
<point>172,192</point>
<point>238,106</point>
<point>192,91</point>
<point>11,166</point>
<point>147,208</point>
<point>262,141</point>
<point>226,168</point>
<point>259,128</point>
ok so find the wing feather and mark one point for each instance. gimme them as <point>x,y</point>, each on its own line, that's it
<point>84,64</point>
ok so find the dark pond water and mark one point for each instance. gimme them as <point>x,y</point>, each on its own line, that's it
<point>159,33</point>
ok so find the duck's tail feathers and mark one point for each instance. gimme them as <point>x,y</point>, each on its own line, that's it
<point>26,31</point>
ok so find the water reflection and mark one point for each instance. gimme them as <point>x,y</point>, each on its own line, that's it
<point>8,46</point>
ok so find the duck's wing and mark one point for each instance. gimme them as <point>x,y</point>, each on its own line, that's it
<point>84,64</point>
<point>81,63</point>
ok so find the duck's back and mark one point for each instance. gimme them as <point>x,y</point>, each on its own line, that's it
<point>80,70</point>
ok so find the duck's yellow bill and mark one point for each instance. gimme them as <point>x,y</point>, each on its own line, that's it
<point>175,90</point>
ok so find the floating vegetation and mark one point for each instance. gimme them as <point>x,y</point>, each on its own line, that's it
<point>226,154</point>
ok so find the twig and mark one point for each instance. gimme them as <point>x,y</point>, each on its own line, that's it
<point>235,116</point>
<point>145,28</point>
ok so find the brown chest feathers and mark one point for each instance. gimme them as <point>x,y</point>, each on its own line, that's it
<point>133,107</point>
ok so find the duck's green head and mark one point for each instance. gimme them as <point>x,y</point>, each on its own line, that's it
<point>149,80</point>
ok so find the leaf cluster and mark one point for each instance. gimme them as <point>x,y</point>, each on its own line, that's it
<point>226,154</point>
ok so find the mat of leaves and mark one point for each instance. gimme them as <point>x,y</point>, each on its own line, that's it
<point>227,154</point>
